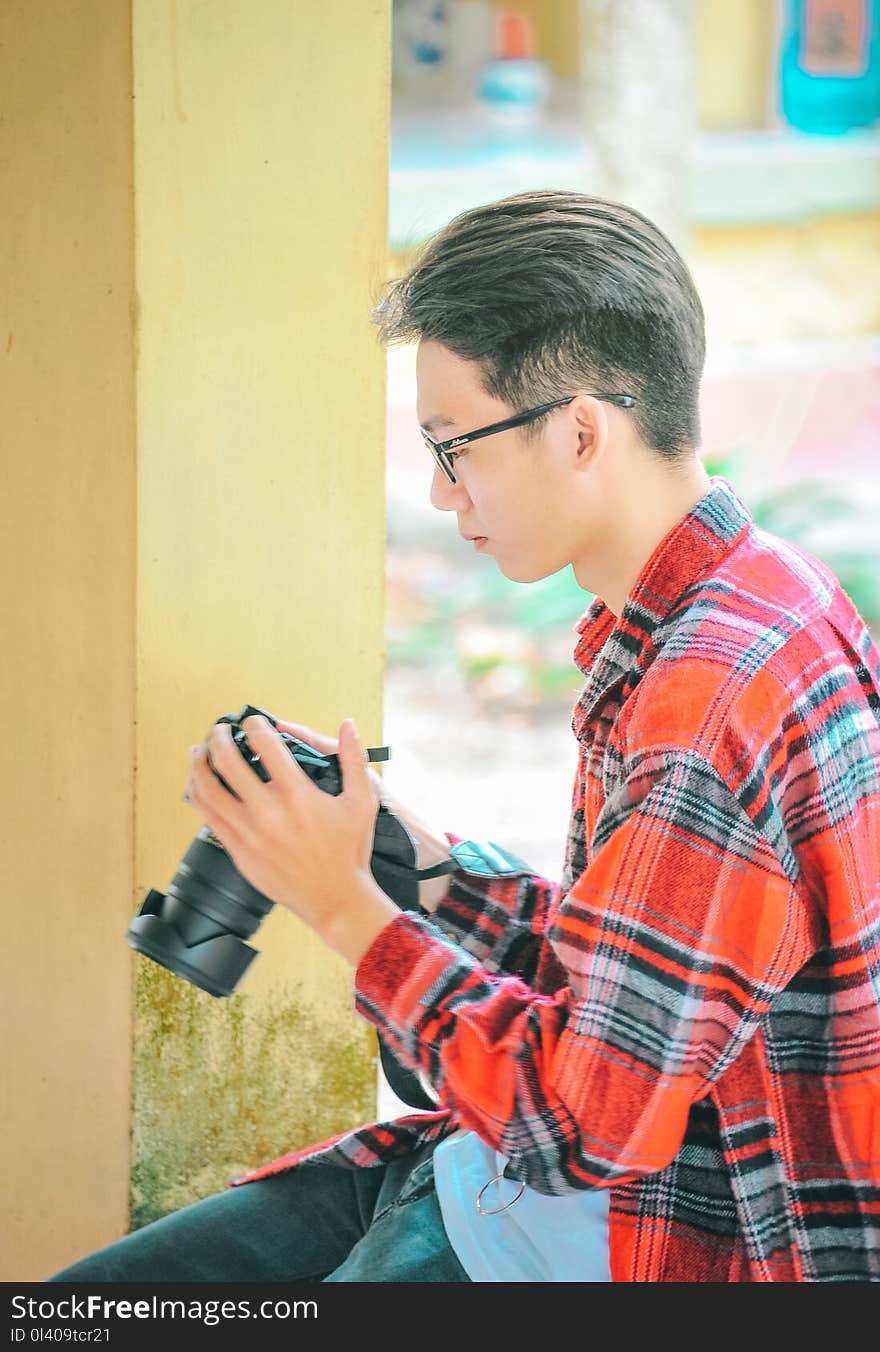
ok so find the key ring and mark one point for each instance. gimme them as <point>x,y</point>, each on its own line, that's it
<point>496,1211</point>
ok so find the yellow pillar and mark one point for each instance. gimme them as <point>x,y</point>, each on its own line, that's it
<point>736,53</point>
<point>67,539</point>
<point>197,485</point>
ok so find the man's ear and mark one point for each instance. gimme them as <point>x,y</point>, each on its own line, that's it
<point>591,421</point>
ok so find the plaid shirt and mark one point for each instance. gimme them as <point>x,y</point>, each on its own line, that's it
<point>691,1017</point>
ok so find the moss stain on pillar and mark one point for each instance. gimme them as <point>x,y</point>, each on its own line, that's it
<point>224,1085</point>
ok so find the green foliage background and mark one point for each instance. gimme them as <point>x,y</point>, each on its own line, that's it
<point>834,523</point>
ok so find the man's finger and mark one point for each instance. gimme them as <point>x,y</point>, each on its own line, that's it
<point>274,755</point>
<point>326,745</point>
<point>353,763</point>
<point>204,791</point>
<point>227,762</point>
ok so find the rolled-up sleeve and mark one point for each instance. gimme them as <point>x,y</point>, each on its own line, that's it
<point>673,941</point>
<point>502,922</point>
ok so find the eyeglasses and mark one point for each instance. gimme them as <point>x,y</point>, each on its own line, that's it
<point>444,451</point>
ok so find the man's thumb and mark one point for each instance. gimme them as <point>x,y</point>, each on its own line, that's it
<point>353,761</point>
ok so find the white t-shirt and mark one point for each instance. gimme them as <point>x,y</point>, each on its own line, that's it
<point>538,1238</point>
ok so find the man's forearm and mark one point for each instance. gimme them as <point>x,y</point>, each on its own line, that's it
<point>352,927</point>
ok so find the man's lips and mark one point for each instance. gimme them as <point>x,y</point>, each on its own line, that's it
<point>474,537</point>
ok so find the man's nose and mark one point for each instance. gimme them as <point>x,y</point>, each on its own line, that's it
<point>446,496</point>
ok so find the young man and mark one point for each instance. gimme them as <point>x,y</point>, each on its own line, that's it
<point>666,1067</point>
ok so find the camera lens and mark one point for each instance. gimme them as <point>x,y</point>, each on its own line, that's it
<point>198,930</point>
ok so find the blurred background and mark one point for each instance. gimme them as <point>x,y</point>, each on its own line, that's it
<point>749,132</point>
<point>201,200</point>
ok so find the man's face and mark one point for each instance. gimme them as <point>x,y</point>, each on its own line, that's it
<point>525,502</point>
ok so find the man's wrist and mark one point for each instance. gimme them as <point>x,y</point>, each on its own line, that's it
<point>432,891</point>
<point>351,927</point>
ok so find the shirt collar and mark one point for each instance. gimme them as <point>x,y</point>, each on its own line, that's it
<point>608,648</point>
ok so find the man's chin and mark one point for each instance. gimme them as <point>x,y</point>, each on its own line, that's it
<point>521,573</point>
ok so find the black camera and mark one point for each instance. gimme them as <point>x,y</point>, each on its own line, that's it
<point>199,928</point>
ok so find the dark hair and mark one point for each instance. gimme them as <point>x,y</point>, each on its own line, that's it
<point>552,292</point>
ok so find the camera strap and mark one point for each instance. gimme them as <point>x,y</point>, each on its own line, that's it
<point>481,859</point>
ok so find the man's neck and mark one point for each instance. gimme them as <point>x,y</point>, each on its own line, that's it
<point>640,521</point>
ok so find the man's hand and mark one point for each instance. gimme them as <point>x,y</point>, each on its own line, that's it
<point>432,845</point>
<point>301,847</point>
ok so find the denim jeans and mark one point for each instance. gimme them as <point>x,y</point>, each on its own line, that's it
<point>317,1223</point>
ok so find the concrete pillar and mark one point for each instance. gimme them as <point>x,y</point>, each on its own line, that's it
<point>193,518</point>
<point>638,92</point>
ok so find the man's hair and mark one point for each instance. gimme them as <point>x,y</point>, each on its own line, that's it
<point>556,292</point>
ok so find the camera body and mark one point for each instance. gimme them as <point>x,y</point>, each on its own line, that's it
<point>199,928</point>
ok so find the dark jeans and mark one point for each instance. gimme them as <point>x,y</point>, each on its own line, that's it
<point>317,1223</point>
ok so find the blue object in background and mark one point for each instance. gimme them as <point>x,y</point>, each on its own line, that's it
<point>515,86</point>
<point>830,65</point>
<point>421,32</point>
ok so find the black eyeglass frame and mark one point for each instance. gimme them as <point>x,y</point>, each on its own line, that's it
<point>441,449</point>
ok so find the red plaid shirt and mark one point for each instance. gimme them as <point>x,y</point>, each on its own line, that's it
<point>691,1017</point>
